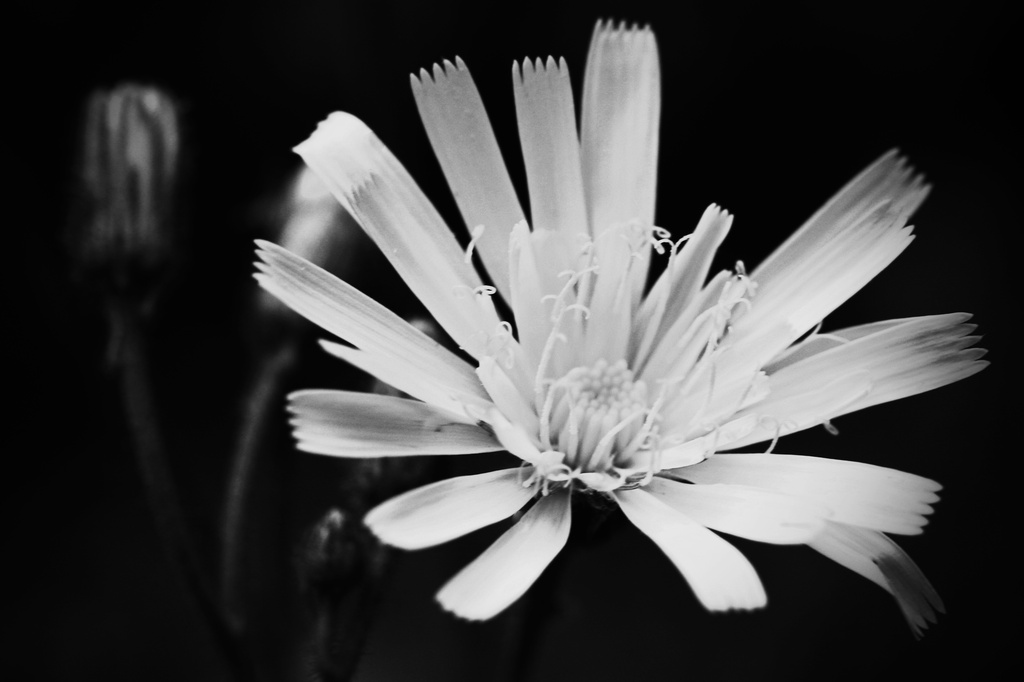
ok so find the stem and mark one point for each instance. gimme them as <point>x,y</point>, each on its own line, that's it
<point>159,488</point>
<point>263,398</point>
<point>338,650</point>
<point>542,602</point>
<point>527,621</point>
<point>349,649</point>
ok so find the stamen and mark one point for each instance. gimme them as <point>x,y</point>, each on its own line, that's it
<point>660,232</point>
<point>550,469</point>
<point>659,245</point>
<point>545,359</point>
<point>584,283</point>
<point>499,345</point>
<point>780,429</point>
<point>711,390</point>
<point>604,445</point>
<point>571,433</point>
<point>475,233</point>
<point>646,437</point>
<point>778,433</point>
<point>580,307</point>
<point>559,299</point>
<point>679,244</point>
<point>545,418</point>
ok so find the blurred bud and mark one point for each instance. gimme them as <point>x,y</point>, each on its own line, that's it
<point>129,174</point>
<point>316,227</point>
<point>331,551</point>
<point>339,554</point>
<point>316,224</point>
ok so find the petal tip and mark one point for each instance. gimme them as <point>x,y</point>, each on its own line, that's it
<point>339,128</point>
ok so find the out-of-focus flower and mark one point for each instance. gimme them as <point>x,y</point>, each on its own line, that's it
<point>339,553</point>
<point>315,227</point>
<point>600,388</point>
<point>129,176</point>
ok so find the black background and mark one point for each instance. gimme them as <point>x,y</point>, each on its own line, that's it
<point>767,110</point>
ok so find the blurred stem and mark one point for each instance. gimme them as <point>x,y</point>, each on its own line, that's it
<point>339,649</point>
<point>158,484</point>
<point>543,601</point>
<point>528,625</point>
<point>263,399</point>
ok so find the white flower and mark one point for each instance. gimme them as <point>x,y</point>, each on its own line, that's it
<point>599,388</point>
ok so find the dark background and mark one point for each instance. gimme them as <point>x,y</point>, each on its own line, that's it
<point>767,110</point>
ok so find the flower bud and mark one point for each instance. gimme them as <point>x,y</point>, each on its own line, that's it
<point>339,554</point>
<point>129,174</point>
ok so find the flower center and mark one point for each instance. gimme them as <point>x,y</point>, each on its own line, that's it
<point>598,417</point>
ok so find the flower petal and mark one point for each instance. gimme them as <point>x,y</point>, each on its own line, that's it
<point>507,568</point>
<point>680,283</point>
<point>744,511</point>
<point>837,373</point>
<point>534,268</point>
<point>551,150</point>
<point>463,141</point>
<point>785,413</point>
<point>509,399</point>
<point>347,424</point>
<point>448,509</point>
<point>853,238</point>
<point>686,340</point>
<point>612,301</point>
<point>819,342</point>
<point>413,378</point>
<point>718,573</point>
<point>515,439</point>
<point>374,187</point>
<point>697,449</point>
<point>714,393</point>
<point>346,312</point>
<point>858,494</point>
<point>620,115</point>
<point>812,289</point>
<point>887,182</point>
<point>880,560</point>
<point>903,359</point>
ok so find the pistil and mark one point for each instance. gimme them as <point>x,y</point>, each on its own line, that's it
<point>598,415</point>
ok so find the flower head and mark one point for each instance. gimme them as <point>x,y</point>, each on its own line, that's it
<point>600,387</point>
<point>130,165</point>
